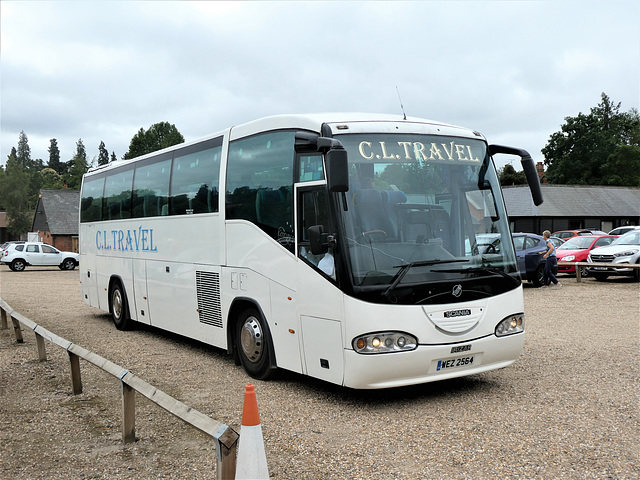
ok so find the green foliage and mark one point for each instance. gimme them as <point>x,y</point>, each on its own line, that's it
<point>51,180</point>
<point>14,194</point>
<point>599,148</point>
<point>54,158</point>
<point>77,167</point>
<point>103,154</point>
<point>160,135</point>
<point>509,176</point>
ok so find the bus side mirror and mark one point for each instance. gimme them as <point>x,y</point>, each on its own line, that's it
<point>337,169</point>
<point>528,166</point>
<point>320,241</point>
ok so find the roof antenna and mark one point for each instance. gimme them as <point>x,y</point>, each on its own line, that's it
<point>401,106</point>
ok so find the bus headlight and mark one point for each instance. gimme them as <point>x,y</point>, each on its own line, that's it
<point>510,325</point>
<point>384,342</point>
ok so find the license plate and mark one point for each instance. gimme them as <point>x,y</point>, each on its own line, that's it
<point>454,362</point>
<point>599,268</point>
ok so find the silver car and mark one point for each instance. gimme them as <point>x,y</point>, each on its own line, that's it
<point>623,250</point>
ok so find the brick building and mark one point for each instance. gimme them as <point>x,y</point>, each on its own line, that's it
<point>56,218</point>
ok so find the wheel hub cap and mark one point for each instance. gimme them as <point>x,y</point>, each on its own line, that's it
<point>251,339</point>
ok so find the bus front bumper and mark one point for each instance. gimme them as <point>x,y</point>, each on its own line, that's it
<point>430,363</point>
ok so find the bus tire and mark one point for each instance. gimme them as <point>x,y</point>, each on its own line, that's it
<point>118,307</point>
<point>252,344</point>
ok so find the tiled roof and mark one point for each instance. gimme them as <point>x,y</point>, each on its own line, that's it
<point>61,209</point>
<point>573,201</point>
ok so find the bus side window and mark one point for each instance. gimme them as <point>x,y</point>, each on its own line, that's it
<point>91,203</point>
<point>151,188</point>
<point>117,195</point>
<point>314,211</point>
<point>194,179</point>
<point>260,183</point>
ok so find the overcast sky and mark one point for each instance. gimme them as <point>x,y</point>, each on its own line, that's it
<point>513,70</point>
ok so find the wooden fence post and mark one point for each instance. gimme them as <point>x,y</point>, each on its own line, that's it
<point>226,449</point>
<point>128,411</point>
<point>17,330</point>
<point>76,379</point>
<point>3,319</point>
<point>42,353</point>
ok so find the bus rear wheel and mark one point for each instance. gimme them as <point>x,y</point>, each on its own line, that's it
<point>253,345</point>
<point>119,309</point>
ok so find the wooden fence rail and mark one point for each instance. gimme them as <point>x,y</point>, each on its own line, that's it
<point>225,437</point>
<point>593,264</point>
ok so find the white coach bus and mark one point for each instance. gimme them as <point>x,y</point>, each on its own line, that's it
<point>348,247</point>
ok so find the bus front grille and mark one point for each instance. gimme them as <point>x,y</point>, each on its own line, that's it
<point>208,287</point>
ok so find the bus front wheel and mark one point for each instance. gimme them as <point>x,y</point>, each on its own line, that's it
<point>119,309</point>
<point>252,344</point>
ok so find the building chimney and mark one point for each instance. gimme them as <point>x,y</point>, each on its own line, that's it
<point>540,170</point>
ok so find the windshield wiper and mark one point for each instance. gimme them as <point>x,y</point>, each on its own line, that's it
<point>404,269</point>
<point>481,269</point>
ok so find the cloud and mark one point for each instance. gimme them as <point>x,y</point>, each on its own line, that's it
<point>102,70</point>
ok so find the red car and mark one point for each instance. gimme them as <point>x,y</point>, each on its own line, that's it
<point>565,235</point>
<point>577,249</point>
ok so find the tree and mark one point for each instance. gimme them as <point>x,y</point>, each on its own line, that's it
<point>14,195</point>
<point>51,179</point>
<point>54,157</point>
<point>509,176</point>
<point>113,157</point>
<point>160,135</point>
<point>599,148</point>
<point>77,167</point>
<point>103,154</point>
<point>23,154</point>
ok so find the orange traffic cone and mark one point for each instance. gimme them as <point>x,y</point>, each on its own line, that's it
<point>251,463</point>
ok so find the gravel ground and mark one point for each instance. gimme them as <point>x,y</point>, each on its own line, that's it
<point>567,409</point>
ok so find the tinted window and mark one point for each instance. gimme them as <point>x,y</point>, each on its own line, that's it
<point>260,183</point>
<point>194,178</point>
<point>151,189</point>
<point>48,249</point>
<point>531,243</point>
<point>117,195</point>
<point>518,243</point>
<point>91,203</point>
<point>19,248</point>
<point>310,168</point>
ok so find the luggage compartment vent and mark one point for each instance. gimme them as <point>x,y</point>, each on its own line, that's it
<point>208,287</point>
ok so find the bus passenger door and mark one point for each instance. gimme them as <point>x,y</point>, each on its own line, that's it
<point>140,293</point>
<point>321,310</point>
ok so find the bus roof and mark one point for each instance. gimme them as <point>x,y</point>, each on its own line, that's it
<point>338,122</point>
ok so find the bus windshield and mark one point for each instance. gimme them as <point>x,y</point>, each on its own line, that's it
<point>422,210</point>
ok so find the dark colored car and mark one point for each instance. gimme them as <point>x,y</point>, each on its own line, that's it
<point>528,247</point>
<point>531,264</point>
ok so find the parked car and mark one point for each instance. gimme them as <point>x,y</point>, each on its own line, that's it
<point>623,250</point>
<point>5,245</point>
<point>531,264</point>
<point>577,249</point>
<point>556,241</point>
<point>565,235</point>
<point>623,230</point>
<point>18,255</point>
<point>528,247</point>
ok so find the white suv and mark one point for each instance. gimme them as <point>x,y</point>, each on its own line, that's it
<point>623,250</point>
<point>18,255</point>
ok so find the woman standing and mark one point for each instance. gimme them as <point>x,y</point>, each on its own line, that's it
<point>551,263</point>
